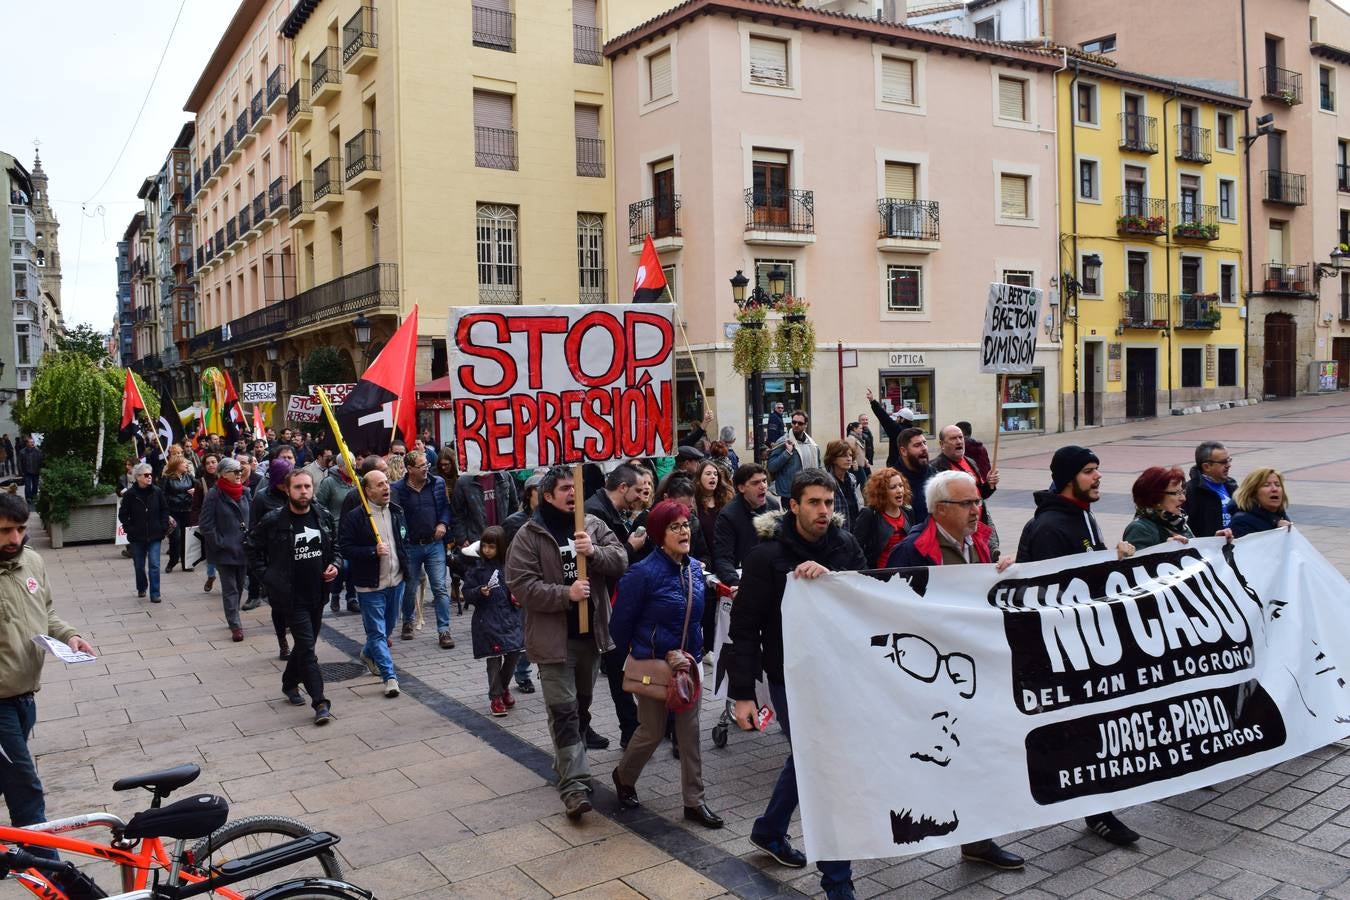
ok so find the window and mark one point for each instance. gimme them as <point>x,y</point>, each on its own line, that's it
<point>1345,298</point>
<point>1086,109</point>
<point>1019,277</point>
<point>771,183</point>
<point>337,255</point>
<point>664,202</point>
<point>904,289</point>
<point>1087,180</point>
<point>1227,283</point>
<point>1228,367</point>
<point>1326,88</point>
<point>373,236</point>
<point>1192,367</point>
<point>498,267</point>
<point>1105,44</point>
<point>493,130</point>
<point>1223,130</point>
<point>660,84</point>
<point>591,257</point>
<point>1190,197</point>
<point>1136,188</point>
<point>1343,234</point>
<point>987,29</point>
<point>590,146</point>
<point>1014,196</point>
<point>1012,98</point>
<point>897,81</point>
<point>1227,200</point>
<point>764,266</point>
<point>671,284</point>
<point>769,62</point>
<point>902,181</point>
<point>1089,275</point>
<point>1190,274</point>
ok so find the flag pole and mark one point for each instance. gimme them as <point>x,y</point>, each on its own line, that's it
<point>347,461</point>
<point>689,351</point>
<point>998,419</point>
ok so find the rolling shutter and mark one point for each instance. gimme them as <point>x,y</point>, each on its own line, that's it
<point>897,81</point>
<point>768,61</point>
<point>588,121</point>
<point>900,181</point>
<point>1013,196</point>
<point>1012,99</point>
<point>658,73</point>
<point>583,13</point>
<point>494,5</point>
<point>491,110</point>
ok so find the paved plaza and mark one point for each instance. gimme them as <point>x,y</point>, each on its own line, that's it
<point>434,798</point>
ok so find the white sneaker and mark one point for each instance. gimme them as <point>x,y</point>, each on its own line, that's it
<point>391,687</point>
<point>369,664</point>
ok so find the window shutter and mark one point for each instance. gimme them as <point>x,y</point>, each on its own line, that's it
<point>665,165</point>
<point>1190,182</point>
<point>494,5</point>
<point>491,110</point>
<point>1013,196</point>
<point>658,69</point>
<point>901,179</point>
<point>897,81</point>
<point>583,13</point>
<point>777,157</point>
<point>588,121</point>
<point>768,61</point>
<point>1012,100</point>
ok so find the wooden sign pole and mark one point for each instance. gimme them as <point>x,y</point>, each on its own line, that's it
<point>998,419</point>
<point>583,608</point>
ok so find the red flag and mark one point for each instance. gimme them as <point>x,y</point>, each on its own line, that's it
<point>259,426</point>
<point>385,397</point>
<point>233,413</point>
<point>131,402</point>
<point>650,282</point>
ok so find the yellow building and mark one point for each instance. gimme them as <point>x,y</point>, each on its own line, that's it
<point>449,154</point>
<point>1151,236</point>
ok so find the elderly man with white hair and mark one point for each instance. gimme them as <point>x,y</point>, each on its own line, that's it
<point>144,514</point>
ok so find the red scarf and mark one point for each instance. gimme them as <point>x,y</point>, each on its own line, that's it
<point>233,490</point>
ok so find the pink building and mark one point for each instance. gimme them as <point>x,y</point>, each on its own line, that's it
<point>241,163</point>
<point>889,173</point>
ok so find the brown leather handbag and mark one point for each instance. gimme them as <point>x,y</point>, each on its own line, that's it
<point>651,677</point>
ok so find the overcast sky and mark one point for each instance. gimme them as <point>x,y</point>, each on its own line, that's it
<point>76,72</point>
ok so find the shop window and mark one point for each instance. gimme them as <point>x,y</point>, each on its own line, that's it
<point>1022,404</point>
<point>911,390</point>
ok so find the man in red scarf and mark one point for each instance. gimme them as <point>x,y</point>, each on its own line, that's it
<point>223,525</point>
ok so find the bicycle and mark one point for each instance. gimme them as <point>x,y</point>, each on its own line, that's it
<point>137,848</point>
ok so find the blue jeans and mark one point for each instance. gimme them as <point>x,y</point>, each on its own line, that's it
<point>523,669</point>
<point>379,614</point>
<point>778,814</point>
<point>30,488</point>
<point>145,554</point>
<point>429,558</point>
<point>19,782</point>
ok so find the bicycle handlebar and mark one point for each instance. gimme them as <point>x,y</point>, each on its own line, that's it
<point>14,859</point>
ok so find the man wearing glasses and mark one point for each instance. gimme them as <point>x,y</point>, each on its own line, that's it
<point>421,495</point>
<point>1209,489</point>
<point>796,453</point>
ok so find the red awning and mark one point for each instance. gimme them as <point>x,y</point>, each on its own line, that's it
<point>435,386</point>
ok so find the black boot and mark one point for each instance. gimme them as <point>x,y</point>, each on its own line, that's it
<point>285,650</point>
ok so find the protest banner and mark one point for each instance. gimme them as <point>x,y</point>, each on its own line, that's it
<point>1008,345</point>
<point>552,385</point>
<point>982,704</point>
<point>337,393</point>
<point>259,392</point>
<point>303,408</point>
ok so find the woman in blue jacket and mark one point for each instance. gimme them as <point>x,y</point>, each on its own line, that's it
<point>656,615</point>
<point>1260,503</point>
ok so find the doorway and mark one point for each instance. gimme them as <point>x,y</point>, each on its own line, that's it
<point>1340,351</point>
<point>1092,352</point>
<point>1278,369</point>
<point>1141,382</point>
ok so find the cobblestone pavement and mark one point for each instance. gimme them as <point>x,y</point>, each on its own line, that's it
<point>433,798</point>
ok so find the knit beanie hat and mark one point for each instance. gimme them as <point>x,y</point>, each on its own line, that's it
<point>659,519</point>
<point>1067,463</point>
<point>277,470</point>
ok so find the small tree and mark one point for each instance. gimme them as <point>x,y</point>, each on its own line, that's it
<point>85,339</point>
<point>325,365</point>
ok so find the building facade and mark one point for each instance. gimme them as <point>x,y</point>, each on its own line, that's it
<point>1152,233</point>
<point>20,290</point>
<point>124,323</point>
<point>48,254</point>
<point>1330,51</point>
<point>990,20</point>
<point>892,173</point>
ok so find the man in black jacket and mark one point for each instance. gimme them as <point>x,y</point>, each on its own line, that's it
<point>144,514</point>
<point>1064,526</point>
<point>734,534</point>
<point>805,542</point>
<point>377,567</point>
<point>470,509</point>
<point>1209,490</point>
<point>293,550</point>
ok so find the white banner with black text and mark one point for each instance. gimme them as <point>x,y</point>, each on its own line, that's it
<point>979,704</point>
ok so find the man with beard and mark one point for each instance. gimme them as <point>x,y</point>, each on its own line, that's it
<point>914,468</point>
<point>26,599</point>
<point>293,549</point>
<point>798,452</point>
<point>734,534</point>
<point>802,542</point>
<point>1064,525</point>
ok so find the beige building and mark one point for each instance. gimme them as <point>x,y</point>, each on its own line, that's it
<point>1330,72</point>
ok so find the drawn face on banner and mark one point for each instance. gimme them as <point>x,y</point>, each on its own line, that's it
<point>939,684</point>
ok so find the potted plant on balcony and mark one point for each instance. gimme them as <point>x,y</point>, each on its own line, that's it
<point>795,337</point>
<point>1196,230</point>
<point>1288,96</point>
<point>752,347</point>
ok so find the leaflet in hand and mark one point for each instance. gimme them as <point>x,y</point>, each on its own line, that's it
<point>61,650</point>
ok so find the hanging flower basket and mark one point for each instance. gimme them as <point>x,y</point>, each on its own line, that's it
<point>752,347</point>
<point>795,337</point>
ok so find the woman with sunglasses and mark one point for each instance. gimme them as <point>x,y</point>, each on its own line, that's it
<point>1159,514</point>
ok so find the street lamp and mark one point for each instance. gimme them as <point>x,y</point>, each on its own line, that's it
<point>272,353</point>
<point>361,325</point>
<point>228,360</point>
<point>738,296</point>
<point>1340,261</point>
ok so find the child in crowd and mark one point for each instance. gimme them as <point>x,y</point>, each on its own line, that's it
<point>497,633</point>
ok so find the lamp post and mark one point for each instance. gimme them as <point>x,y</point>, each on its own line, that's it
<point>361,325</point>
<point>755,298</point>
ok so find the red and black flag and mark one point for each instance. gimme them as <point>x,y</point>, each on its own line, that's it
<point>170,424</point>
<point>131,405</point>
<point>650,282</point>
<point>384,402</point>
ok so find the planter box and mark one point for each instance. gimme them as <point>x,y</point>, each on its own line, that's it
<point>93,522</point>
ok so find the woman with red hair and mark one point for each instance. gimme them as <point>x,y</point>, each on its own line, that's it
<point>1159,500</point>
<point>881,524</point>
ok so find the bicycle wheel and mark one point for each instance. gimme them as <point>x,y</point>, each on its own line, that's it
<point>315,889</point>
<point>249,835</point>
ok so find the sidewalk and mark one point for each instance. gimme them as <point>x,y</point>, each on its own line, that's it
<point>434,798</point>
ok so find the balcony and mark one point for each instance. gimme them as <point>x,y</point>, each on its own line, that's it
<point>363,159</point>
<point>300,204</point>
<point>243,130</point>
<point>205,342</point>
<point>216,158</point>
<point>231,150</point>
<point>360,40</point>
<point>201,257</point>
<point>494,29</point>
<point>505,291</point>
<point>325,76</point>
<point>1282,278</point>
<point>1284,188</point>
<point>327,185</point>
<point>196,183</point>
<point>1198,312</point>
<point>261,323</point>
<point>586,45</point>
<point>276,198</point>
<point>258,113</point>
<point>591,286</point>
<point>590,157</point>
<point>1343,178</point>
<point>780,217</point>
<point>1142,310</point>
<point>1282,85</point>
<point>494,148</point>
<point>908,226</point>
<point>374,288</point>
<point>1142,216</point>
<point>299,110</point>
<point>1138,134</point>
<point>1193,144</point>
<point>233,239</point>
<point>659,217</point>
<point>275,90</point>
<point>259,214</point>
<point>1195,222</point>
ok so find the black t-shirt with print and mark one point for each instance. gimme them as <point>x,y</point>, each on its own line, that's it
<point>562,527</point>
<point>307,564</point>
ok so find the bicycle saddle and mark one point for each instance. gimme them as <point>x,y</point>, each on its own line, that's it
<point>161,783</point>
<point>192,817</point>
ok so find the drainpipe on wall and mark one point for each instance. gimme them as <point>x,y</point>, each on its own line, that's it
<point>1073,214</point>
<point>1247,211</point>
<point>1167,245</point>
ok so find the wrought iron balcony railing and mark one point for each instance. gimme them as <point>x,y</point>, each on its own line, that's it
<point>1281,84</point>
<point>1139,309</point>
<point>327,179</point>
<point>586,45</point>
<point>657,216</point>
<point>1343,178</point>
<point>363,153</point>
<point>374,287</point>
<point>359,33</point>
<point>241,125</point>
<point>276,194</point>
<point>324,71</point>
<point>494,148</point>
<point>255,108</point>
<point>1284,187</point>
<point>1195,221</point>
<point>297,99</point>
<point>494,29</point>
<point>276,85</point>
<point>591,286</point>
<point>300,199</point>
<point>780,209</point>
<point>1138,133</point>
<point>1193,144</point>
<point>911,219</point>
<point>591,157</point>
<point>1282,278</point>
<point>1198,312</point>
<point>1141,215</point>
